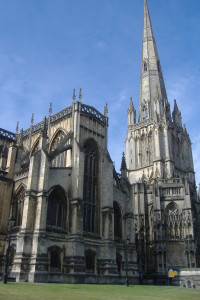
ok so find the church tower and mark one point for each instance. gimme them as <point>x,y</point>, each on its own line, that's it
<point>158,146</point>
<point>160,170</point>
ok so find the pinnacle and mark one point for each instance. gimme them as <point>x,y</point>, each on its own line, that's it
<point>106,110</point>
<point>131,107</point>
<point>175,106</point>
<point>123,164</point>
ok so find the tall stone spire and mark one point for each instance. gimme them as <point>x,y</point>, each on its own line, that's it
<point>153,97</point>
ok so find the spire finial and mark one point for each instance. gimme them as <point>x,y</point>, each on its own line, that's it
<point>131,113</point>
<point>17,128</point>
<point>32,119</point>
<point>20,139</point>
<point>30,135</point>
<point>106,110</point>
<point>175,105</point>
<point>123,164</point>
<point>80,95</point>
<point>131,107</point>
<point>50,109</point>
<point>74,96</point>
<point>45,127</point>
<point>49,123</point>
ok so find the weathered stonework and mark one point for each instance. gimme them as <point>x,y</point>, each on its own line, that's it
<point>74,212</point>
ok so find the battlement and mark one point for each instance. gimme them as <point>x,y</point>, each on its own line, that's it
<point>5,134</point>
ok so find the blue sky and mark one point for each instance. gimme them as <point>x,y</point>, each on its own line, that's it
<point>49,47</point>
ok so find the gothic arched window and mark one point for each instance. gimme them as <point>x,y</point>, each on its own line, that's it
<point>18,206</point>
<point>56,208</point>
<point>62,156</point>
<point>35,148</point>
<point>56,140</point>
<point>144,112</point>
<point>117,221</point>
<point>90,197</point>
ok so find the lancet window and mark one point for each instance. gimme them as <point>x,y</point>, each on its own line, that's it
<point>117,221</point>
<point>145,66</point>
<point>18,206</point>
<point>56,211</point>
<point>144,112</point>
<point>90,196</point>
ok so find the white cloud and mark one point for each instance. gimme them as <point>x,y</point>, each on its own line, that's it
<point>185,90</point>
<point>100,44</point>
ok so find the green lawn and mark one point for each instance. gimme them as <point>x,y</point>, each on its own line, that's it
<point>20,291</point>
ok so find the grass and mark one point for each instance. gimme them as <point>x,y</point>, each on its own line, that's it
<point>38,291</point>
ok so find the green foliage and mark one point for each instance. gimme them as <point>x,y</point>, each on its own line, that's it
<point>20,291</point>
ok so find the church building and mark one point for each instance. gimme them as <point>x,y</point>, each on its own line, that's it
<point>79,221</point>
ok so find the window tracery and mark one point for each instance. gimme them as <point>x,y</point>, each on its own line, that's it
<point>90,197</point>
<point>35,148</point>
<point>63,159</point>
<point>18,206</point>
<point>57,139</point>
<point>144,112</point>
<point>56,210</point>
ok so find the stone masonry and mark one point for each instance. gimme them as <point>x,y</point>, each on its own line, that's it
<point>76,218</point>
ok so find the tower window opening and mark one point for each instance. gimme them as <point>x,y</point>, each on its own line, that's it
<point>145,66</point>
<point>144,112</point>
<point>158,66</point>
